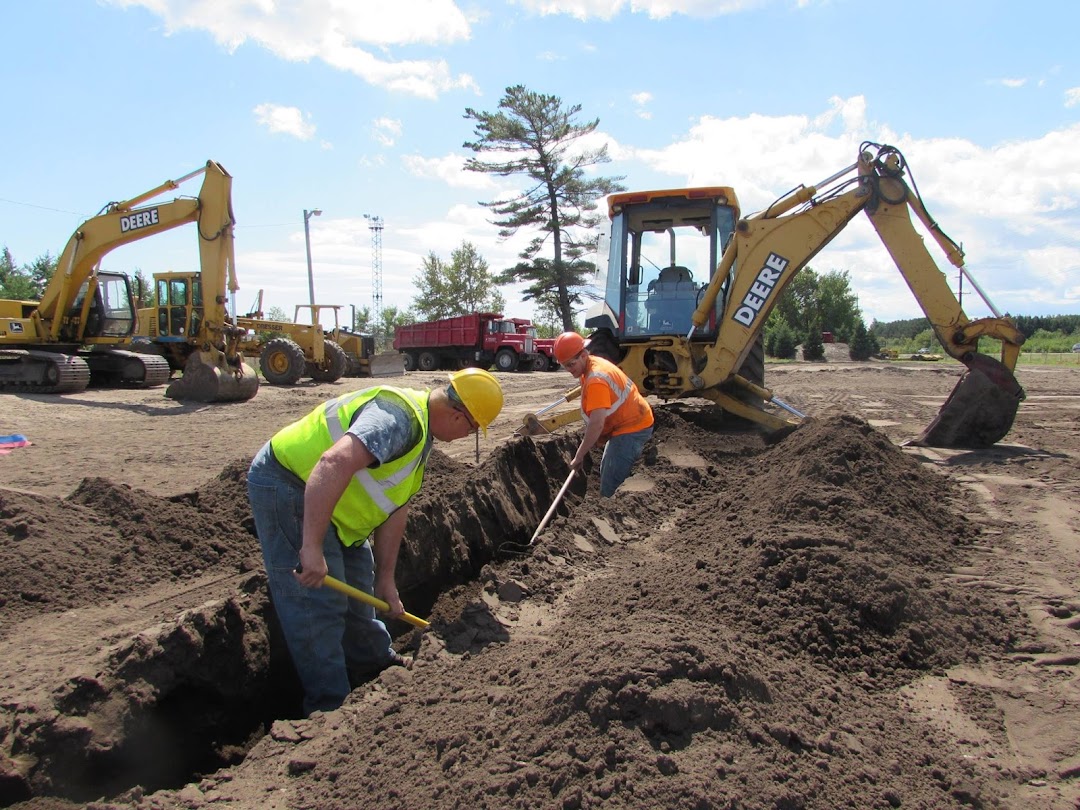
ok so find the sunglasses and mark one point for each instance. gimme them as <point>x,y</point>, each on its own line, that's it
<point>455,400</point>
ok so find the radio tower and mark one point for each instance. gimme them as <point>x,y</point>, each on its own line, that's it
<point>375,223</point>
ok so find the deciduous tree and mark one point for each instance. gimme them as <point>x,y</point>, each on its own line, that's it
<point>455,288</point>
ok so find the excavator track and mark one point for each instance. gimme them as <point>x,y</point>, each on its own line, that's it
<point>127,369</point>
<point>31,371</point>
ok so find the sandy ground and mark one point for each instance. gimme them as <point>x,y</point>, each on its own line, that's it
<point>831,620</point>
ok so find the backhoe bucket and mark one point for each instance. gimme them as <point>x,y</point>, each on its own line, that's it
<point>208,377</point>
<point>979,411</point>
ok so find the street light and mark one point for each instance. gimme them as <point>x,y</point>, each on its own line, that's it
<point>307,241</point>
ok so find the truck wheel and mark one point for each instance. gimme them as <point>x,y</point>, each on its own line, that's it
<point>541,363</point>
<point>410,361</point>
<point>429,361</point>
<point>282,361</point>
<point>506,360</point>
<point>336,363</point>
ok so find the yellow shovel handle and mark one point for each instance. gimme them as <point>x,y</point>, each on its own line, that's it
<point>378,604</point>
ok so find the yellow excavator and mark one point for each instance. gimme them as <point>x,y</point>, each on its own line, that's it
<point>82,329</point>
<point>677,335</point>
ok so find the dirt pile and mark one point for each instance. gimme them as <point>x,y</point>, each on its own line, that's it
<point>730,631</point>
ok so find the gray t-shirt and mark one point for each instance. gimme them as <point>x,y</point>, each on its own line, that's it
<point>387,427</point>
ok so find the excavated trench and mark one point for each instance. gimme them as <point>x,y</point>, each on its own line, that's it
<point>187,672</point>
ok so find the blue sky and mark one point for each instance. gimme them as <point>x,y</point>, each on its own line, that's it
<point>357,107</point>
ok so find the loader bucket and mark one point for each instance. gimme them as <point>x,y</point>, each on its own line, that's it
<point>208,377</point>
<point>979,411</point>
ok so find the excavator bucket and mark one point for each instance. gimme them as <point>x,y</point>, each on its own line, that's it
<point>979,411</point>
<point>208,377</point>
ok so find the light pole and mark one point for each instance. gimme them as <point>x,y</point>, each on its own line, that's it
<point>307,242</point>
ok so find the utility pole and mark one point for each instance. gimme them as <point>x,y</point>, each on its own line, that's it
<point>375,223</point>
<point>310,276</point>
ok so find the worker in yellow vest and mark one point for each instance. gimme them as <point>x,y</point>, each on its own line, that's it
<point>616,414</point>
<point>330,495</point>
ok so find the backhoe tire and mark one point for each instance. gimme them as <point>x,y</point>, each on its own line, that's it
<point>336,363</point>
<point>282,362</point>
<point>428,361</point>
<point>506,360</point>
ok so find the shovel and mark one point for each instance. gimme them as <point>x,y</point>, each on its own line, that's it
<point>554,504</point>
<point>367,598</point>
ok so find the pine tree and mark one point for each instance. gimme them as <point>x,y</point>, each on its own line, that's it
<point>535,135</point>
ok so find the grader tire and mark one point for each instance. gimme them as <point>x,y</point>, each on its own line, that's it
<point>282,362</point>
<point>336,362</point>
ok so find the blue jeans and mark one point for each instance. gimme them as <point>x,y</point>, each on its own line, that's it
<point>327,633</point>
<point>620,453</point>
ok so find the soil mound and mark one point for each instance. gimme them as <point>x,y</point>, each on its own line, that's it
<point>724,633</point>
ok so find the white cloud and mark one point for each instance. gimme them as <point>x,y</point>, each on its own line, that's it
<point>640,101</point>
<point>654,9</point>
<point>335,32</point>
<point>289,120</point>
<point>1072,96</point>
<point>1010,83</point>
<point>386,130</point>
<point>449,169</point>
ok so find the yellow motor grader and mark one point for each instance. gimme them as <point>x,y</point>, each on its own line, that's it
<point>690,284</point>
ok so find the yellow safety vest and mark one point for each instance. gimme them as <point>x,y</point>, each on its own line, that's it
<point>373,494</point>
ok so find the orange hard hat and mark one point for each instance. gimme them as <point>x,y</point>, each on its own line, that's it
<point>569,345</point>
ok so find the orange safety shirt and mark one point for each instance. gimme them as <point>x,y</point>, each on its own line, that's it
<point>604,385</point>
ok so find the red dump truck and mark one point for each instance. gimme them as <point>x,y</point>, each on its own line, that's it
<point>480,339</point>
<point>545,347</point>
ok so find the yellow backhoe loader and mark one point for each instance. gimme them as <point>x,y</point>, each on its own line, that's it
<point>677,334</point>
<point>82,329</point>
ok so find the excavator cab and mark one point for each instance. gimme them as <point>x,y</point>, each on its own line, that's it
<point>102,308</point>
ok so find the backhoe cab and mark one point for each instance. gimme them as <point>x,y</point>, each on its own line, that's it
<point>690,284</point>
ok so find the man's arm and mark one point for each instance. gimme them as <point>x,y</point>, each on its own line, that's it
<point>387,541</point>
<point>594,426</point>
<point>324,488</point>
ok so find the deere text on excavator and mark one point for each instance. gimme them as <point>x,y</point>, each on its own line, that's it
<point>81,330</point>
<point>679,336</point>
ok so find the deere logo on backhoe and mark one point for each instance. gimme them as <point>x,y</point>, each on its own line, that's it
<point>761,289</point>
<point>141,219</point>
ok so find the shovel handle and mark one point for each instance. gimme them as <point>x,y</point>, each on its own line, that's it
<point>367,598</point>
<point>554,504</point>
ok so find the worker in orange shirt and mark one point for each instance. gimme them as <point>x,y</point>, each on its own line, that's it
<point>616,414</point>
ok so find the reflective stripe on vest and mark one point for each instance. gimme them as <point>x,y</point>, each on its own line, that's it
<point>622,392</point>
<point>372,494</point>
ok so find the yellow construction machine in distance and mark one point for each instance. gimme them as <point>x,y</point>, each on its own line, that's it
<point>84,327</point>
